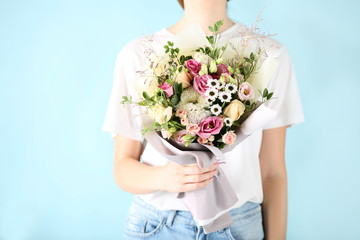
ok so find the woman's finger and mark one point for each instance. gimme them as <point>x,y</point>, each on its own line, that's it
<point>199,177</point>
<point>194,169</point>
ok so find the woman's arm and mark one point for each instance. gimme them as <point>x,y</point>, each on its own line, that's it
<point>129,173</point>
<point>274,180</point>
<point>137,178</point>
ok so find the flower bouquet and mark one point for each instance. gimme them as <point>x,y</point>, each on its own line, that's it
<point>201,99</point>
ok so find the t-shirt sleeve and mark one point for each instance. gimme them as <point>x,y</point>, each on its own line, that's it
<point>124,120</point>
<point>286,99</point>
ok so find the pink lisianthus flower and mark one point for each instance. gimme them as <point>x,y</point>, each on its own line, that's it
<point>214,76</point>
<point>211,138</point>
<point>168,89</point>
<point>222,68</point>
<point>193,128</point>
<point>229,137</point>
<point>178,136</point>
<point>200,83</point>
<point>246,91</point>
<point>193,66</point>
<point>210,126</point>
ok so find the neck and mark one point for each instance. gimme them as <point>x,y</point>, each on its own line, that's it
<point>204,12</point>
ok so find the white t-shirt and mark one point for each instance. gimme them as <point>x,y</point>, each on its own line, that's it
<point>242,166</point>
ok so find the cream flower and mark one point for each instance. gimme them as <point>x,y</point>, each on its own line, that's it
<point>202,58</point>
<point>234,110</point>
<point>158,113</point>
<point>184,78</point>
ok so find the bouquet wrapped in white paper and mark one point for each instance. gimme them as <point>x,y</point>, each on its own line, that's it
<point>203,97</point>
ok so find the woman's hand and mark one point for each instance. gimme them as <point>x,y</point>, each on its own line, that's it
<point>179,178</point>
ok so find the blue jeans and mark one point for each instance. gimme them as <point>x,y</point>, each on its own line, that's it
<point>145,221</point>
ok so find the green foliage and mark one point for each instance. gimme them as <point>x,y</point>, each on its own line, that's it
<point>177,93</point>
<point>169,48</point>
<point>126,100</point>
<point>266,95</point>
<point>154,127</point>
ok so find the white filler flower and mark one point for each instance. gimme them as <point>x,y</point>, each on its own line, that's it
<point>228,122</point>
<point>225,96</point>
<point>230,88</point>
<point>213,83</point>
<point>215,109</point>
<point>211,93</point>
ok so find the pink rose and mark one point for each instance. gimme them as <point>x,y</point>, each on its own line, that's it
<point>193,66</point>
<point>168,89</point>
<point>178,136</point>
<point>246,91</point>
<point>229,137</point>
<point>222,68</point>
<point>180,113</point>
<point>209,126</point>
<point>193,128</point>
<point>200,83</point>
<point>202,140</point>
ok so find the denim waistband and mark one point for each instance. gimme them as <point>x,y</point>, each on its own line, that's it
<point>139,207</point>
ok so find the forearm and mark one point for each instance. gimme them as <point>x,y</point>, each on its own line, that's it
<point>275,206</point>
<point>135,177</point>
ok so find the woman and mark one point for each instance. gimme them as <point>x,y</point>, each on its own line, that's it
<point>255,168</point>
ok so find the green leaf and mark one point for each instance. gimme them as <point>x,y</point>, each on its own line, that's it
<point>265,93</point>
<point>146,95</point>
<point>269,96</point>
<point>211,29</point>
<point>252,56</point>
<point>236,124</point>
<point>182,60</point>
<point>175,100</point>
<point>216,28</point>
<point>143,103</point>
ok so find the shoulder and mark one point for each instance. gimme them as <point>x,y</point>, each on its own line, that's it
<point>139,48</point>
<point>272,46</point>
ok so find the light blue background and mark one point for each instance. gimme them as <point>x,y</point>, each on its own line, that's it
<point>56,66</point>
